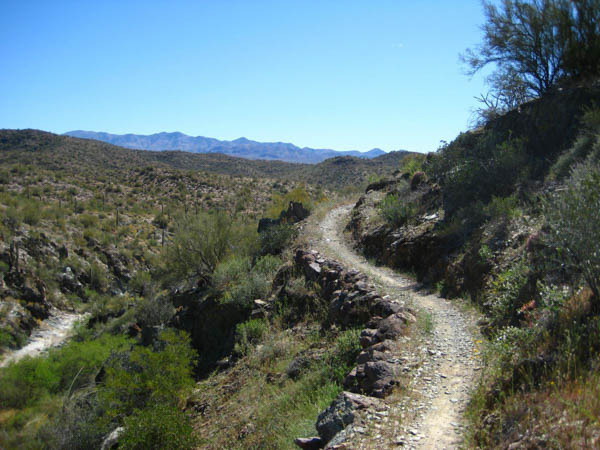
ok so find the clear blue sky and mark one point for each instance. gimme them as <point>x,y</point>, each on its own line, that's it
<point>326,74</point>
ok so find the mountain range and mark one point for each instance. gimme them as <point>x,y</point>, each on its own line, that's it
<point>242,147</point>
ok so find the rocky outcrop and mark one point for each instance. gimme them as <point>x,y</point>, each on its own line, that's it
<point>294,214</point>
<point>210,323</point>
<point>416,246</point>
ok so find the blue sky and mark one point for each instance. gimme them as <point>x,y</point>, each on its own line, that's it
<point>325,74</point>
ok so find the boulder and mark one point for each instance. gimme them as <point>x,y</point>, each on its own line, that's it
<point>384,307</point>
<point>302,362</point>
<point>374,375</point>
<point>295,213</point>
<point>368,337</point>
<point>394,326</point>
<point>112,440</point>
<point>342,413</point>
<point>69,282</point>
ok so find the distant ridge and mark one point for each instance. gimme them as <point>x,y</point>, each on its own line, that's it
<point>241,147</point>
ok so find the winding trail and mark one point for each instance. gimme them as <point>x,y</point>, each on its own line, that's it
<point>440,369</point>
<point>51,333</point>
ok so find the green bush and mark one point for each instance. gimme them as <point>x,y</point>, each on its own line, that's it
<point>583,146</point>
<point>573,214</point>
<point>98,277</point>
<point>280,203</point>
<point>141,282</point>
<point>503,207</point>
<point>275,239</point>
<point>249,333</point>
<point>412,163</point>
<point>396,211</point>
<point>32,213</point>
<point>153,311</point>
<point>509,346</point>
<point>201,242</point>
<point>240,283</point>
<point>88,220</point>
<point>12,218</point>
<point>506,294</point>
<point>157,427</point>
<point>342,358</point>
<point>24,383</point>
<point>477,167</point>
<point>148,376</point>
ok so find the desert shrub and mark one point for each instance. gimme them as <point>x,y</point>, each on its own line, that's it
<point>11,338</point>
<point>506,294</point>
<point>239,282</point>
<point>153,311</point>
<point>249,333</point>
<point>74,425</point>
<point>32,213</point>
<point>503,207</point>
<point>281,202</point>
<point>98,277</point>
<point>231,272</point>
<point>141,282</point>
<point>88,220</point>
<point>161,221</point>
<point>74,365</point>
<point>275,239</point>
<point>267,264</point>
<point>509,346</point>
<point>412,163</point>
<point>342,358</point>
<point>299,302</point>
<point>148,376</point>
<point>582,147</point>
<point>201,242</point>
<point>157,427</point>
<point>477,167</point>
<point>12,218</point>
<point>573,215</point>
<point>4,177</point>
<point>101,306</point>
<point>396,211</point>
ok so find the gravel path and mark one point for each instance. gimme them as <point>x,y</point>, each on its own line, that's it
<point>51,333</point>
<point>440,369</point>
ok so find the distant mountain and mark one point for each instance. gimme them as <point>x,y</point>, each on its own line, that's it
<point>242,147</point>
<point>59,152</point>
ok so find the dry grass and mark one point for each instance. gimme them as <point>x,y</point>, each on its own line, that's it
<point>255,404</point>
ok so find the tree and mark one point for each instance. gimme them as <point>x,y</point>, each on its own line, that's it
<point>201,242</point>
<point>535,44</point>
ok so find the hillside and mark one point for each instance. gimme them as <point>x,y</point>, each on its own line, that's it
<point>199,325</point>
<point>55,151</point>
<point>242,147</point>
<point>506,218</point>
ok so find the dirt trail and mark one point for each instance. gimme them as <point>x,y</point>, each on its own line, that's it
<point>441,369</point>
<point>51,333</point>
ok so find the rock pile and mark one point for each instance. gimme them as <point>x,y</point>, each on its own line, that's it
<point>353,301</point>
